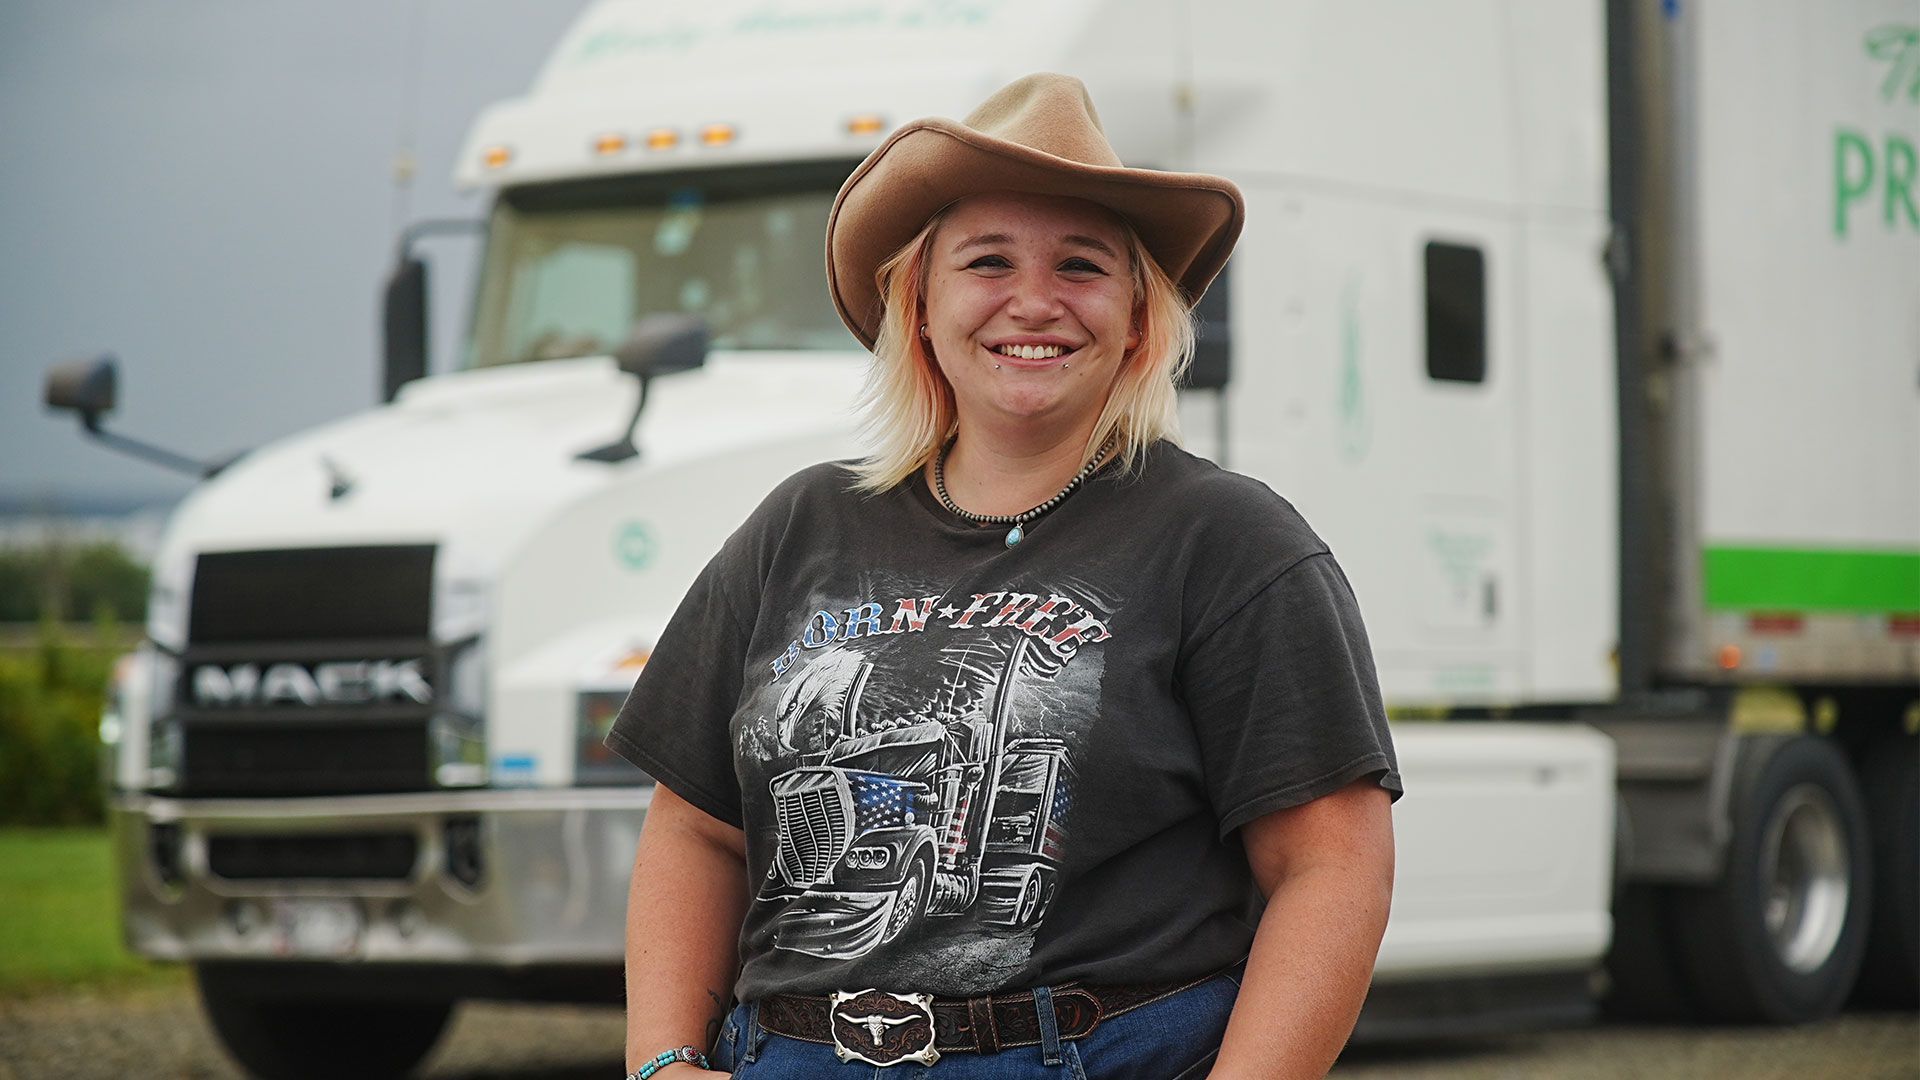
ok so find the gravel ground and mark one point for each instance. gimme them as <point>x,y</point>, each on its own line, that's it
<point>160,1035</point>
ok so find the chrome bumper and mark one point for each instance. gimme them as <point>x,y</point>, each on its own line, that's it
<point>552,890</point>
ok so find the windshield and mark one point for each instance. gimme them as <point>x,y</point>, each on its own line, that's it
<point>571,267</point>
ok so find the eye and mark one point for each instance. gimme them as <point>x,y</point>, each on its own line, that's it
<point>1081,266</point>
<point>989,262</point>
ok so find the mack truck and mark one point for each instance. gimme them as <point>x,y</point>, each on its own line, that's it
<point>1586,332</point>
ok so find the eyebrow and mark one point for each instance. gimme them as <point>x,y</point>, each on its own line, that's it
<point>988,239</point>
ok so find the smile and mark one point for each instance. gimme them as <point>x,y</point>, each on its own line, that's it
<point>1031,352</point>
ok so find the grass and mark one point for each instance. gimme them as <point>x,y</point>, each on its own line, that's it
<point>60,916</point>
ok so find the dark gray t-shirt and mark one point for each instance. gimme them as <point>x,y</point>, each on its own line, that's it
<point>962,768</point>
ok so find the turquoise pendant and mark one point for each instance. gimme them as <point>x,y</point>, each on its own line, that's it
<point>1015,535</point>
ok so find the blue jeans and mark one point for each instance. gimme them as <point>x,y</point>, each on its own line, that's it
<point>1175,1038</point>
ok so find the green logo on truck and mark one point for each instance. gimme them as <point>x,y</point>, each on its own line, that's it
<point>1881,173</point>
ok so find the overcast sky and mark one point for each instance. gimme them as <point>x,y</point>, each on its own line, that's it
<point>206,189</point>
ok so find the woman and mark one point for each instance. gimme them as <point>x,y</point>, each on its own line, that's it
<point>978,749</point>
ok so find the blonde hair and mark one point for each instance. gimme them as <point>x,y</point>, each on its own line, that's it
<point>907,408</point>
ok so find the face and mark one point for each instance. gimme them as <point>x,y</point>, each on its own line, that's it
<point>1029,309</point>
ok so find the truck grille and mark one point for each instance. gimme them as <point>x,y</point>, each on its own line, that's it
<point>386,856</point>
<point>308,671</point>
<point>815,816</point>
<point>312,594</point>
<point>255,759</point>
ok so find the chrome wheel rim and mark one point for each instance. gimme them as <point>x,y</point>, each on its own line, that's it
<point>904,902</point>
<point>1029,900</point>
<point>1804,873</point>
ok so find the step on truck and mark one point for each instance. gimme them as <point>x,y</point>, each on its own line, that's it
<point>1587,333</point>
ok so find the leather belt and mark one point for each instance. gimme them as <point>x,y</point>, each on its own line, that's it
<point>982,1025</point>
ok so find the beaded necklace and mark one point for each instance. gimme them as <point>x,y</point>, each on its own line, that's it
<point>1018,521</point>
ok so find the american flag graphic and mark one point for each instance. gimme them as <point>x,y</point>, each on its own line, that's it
<point>1057,819</point>
<point>879,801</point>
<point>955,842</point>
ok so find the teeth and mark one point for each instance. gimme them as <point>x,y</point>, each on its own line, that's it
<point>1031,352</point>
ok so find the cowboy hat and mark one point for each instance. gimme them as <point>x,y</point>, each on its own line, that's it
<point>1039,135</point>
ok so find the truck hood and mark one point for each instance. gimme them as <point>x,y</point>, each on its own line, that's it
<point>476,461</point>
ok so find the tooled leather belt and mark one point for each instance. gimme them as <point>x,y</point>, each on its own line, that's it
<point>874,1024</point>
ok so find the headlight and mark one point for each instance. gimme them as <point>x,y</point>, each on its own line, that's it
<point>869,858</point>
<point>154,729</point>
<point>593,762</point>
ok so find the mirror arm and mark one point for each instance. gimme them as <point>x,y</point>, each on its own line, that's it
<point>622,448</point>
<point>156,454</point>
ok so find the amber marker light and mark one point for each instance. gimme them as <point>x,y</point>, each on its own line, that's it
<point>1729,657</point>
<point>866,124</point>
<point>609,144</point>
<point>495,156</point>
<point>662,139</point>
<point>718,134</point>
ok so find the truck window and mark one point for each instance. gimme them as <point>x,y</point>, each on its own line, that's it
<point>570,267</point>
<point>1456,313</point>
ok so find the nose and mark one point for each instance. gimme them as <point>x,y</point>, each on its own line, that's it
<point>1033,300</point>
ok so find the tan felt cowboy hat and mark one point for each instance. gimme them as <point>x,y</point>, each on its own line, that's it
<point>1038,135</point>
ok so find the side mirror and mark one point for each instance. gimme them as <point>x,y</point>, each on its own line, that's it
<point>88,387</point>
<point>662,344</point>
<point>405,325</point>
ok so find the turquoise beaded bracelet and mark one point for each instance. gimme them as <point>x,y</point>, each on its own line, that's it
<point>667,1057</point>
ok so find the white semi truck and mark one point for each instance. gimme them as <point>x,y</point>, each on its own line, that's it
<point>1587,332</point>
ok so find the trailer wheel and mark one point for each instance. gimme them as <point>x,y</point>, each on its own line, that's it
<point>287,1038</point>
<point>1890,781</point>
<point>1779,938</point>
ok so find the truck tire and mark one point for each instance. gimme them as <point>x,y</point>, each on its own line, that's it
<point>292,1038</point>
<point>909,901</point>
<point>1778,939</point>
<point>1890,782</point>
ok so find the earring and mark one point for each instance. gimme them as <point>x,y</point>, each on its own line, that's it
<point>923,329</point>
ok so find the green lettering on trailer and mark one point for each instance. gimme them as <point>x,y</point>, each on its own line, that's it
<point>1809,580</point>
<point>1900,169</point>
<point>1856,167</point>
<point>1899,46</point>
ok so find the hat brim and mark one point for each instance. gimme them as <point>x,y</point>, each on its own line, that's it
<point>1187,221</point>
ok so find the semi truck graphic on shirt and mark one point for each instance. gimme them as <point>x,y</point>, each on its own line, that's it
<point>935,774</point>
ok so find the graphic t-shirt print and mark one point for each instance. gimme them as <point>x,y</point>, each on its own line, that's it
<point>919,752</point>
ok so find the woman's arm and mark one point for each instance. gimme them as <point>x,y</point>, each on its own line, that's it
<point>684,909</point>
<point>1326,868</point>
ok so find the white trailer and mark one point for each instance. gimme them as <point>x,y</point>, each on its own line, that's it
<point>1586,332</point>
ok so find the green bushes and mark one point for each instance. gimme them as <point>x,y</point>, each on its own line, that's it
<point>52,686</point>
<point>51,697</point>
<point>61,582</point>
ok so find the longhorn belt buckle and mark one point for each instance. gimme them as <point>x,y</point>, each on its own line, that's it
<point>882,1028</point>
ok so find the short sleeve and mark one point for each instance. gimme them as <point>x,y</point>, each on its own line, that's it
<point>1284,699</point>
<point>676,723</point>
